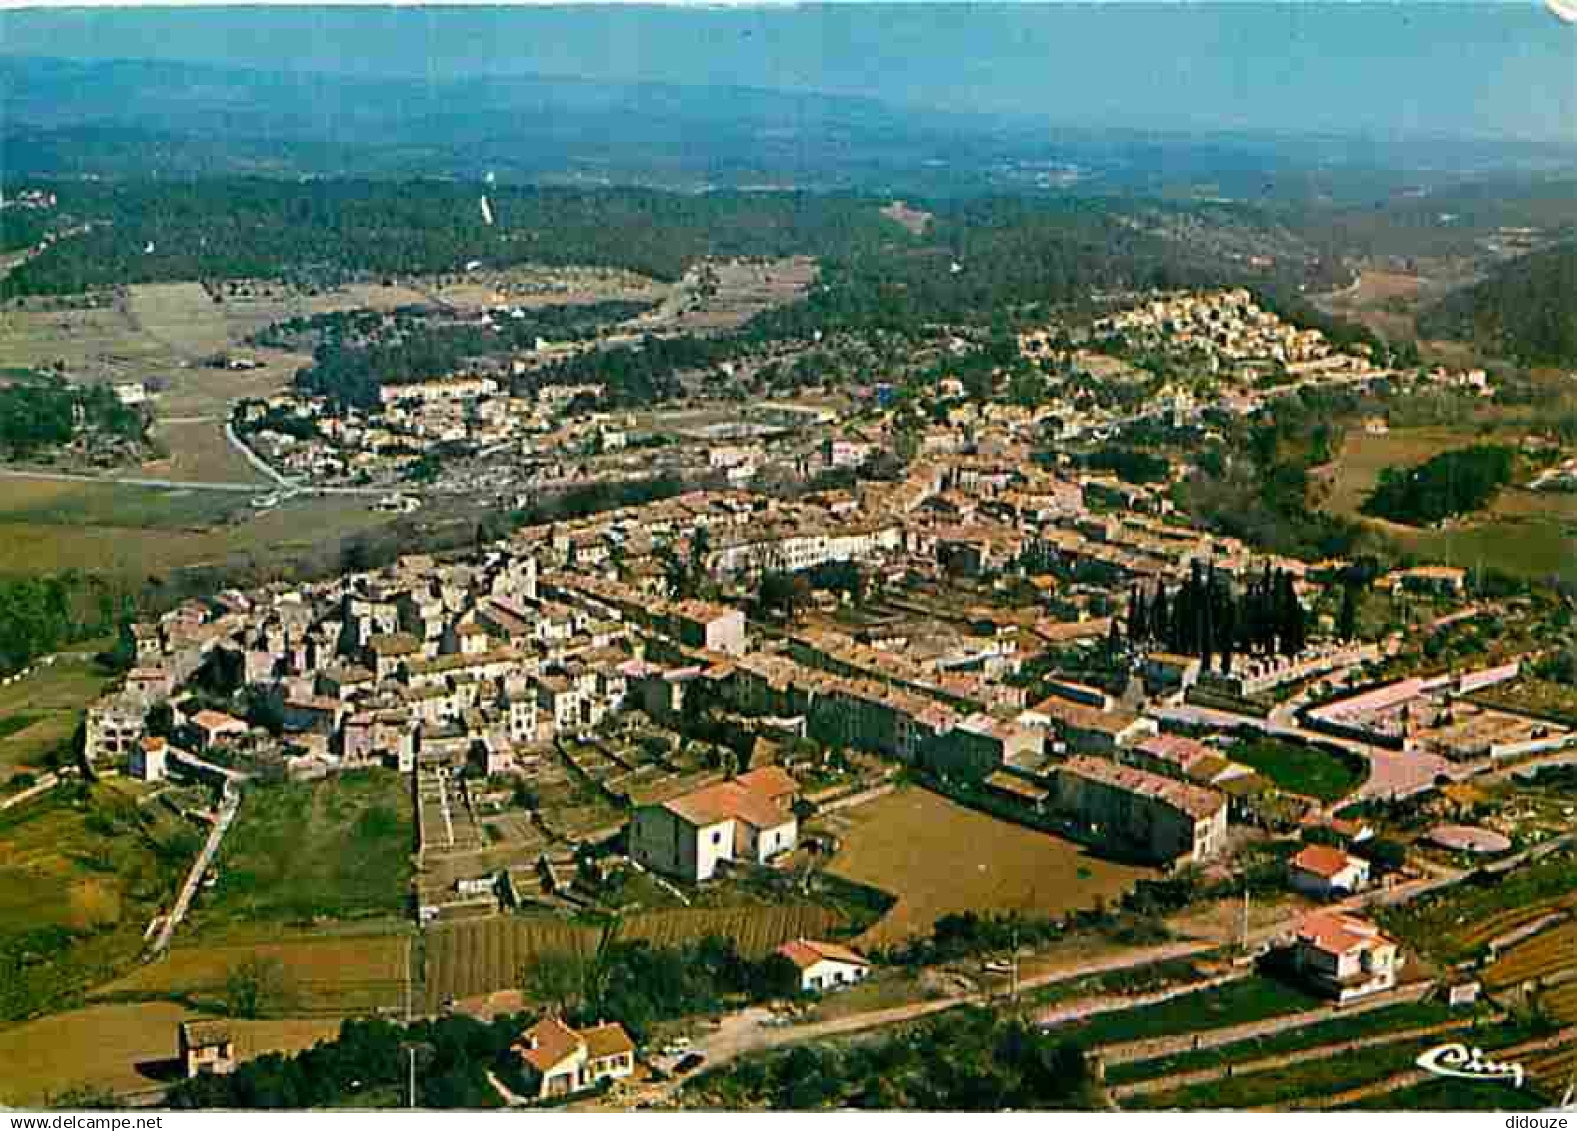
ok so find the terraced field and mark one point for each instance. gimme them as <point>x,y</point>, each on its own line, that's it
<point>482,956</point>
<point>1459,923</point>
<point>466,959</point>
<point>755,930</point>
<point>1546,953</point>
<point>1358,1026</point>
<point>1304,1081</point>
<point>1554,1070</point>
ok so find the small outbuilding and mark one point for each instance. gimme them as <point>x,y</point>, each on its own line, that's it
<point>825,965</point>
<point>207,1048</point>
<point>1327,873</point>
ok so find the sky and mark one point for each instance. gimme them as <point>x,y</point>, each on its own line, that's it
<point>1468,69</point>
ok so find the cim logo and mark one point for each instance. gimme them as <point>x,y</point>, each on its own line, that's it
<point>1468,1064</point>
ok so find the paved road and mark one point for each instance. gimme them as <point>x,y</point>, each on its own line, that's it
<point>263,466</point>
<point>132,481</point>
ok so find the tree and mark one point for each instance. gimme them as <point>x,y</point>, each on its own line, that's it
<point>1386,854</point>
<point>559,979</point>
<point>1347,619</point>
<point>782,592</point>
<point>256,986</point>
<point>85,1097</point>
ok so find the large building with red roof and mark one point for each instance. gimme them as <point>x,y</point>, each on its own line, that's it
<point>1171,821</point>
<point>749,819</point>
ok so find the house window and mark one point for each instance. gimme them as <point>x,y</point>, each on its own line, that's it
<point>717,836</point>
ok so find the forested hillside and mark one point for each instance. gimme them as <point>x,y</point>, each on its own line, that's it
<point>230,228</point>
<point>1526,310</point>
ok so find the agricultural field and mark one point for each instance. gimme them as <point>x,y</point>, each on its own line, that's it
<point>1387,301</point>
<point>48,527</point>
<point>97,342</point>
<point>321,973</point>
<point>128,1049</point>
<point>1305,770</point>
<point>1364,456</point>
<point>1555,1070</point>
<point>39,502</point>
<point>756,929</point>
<point>40,713</point>
<point>1549,952</point>
<point>1544,698</point>
<point>181,317</point>
<point>1526,533</point>
<point>1319,1075</point>
<point>471,958</point>
<point>82,871</point>
<point>300,852</point>
<point>1446,1094</point>
<point>1561,1002</point>
<point>467,959</point>
<point>1391,1019</point>
<point>1461,922</point>
<point>1235,1003</point>
<point>939,857</point>
<point>199,453</point>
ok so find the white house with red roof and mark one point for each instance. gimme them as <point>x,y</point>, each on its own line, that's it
<point>750,818</point>
<point>557,1060</point>
<point>1327,873</point>
<point>824,965</point>
<point>1344,957</point>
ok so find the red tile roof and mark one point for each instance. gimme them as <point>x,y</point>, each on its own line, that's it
<point>1193,800</point>
<point>1321,860</point>
<point>805,953</point>
<point>1338,934</point>
<point>547,1044</point>
<point>730,800</point>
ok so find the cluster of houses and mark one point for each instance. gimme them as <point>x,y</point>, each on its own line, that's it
<point>326,443</point>
<point>429,664</point>
<point>1226,327</point>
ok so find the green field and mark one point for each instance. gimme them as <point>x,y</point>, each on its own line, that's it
<point>1319,1076</point>
<point>1396,1018</point>
<point>1302,769</point>
<point>1529,534</point>
<point>82,870</point>
<point>1235,1003</point>
<point>49,527</point>
<point>339,848</point>
<point>39,714</point>
<point>1457,923</point>
<point>45,502</point>
<point>1447,1094</point>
